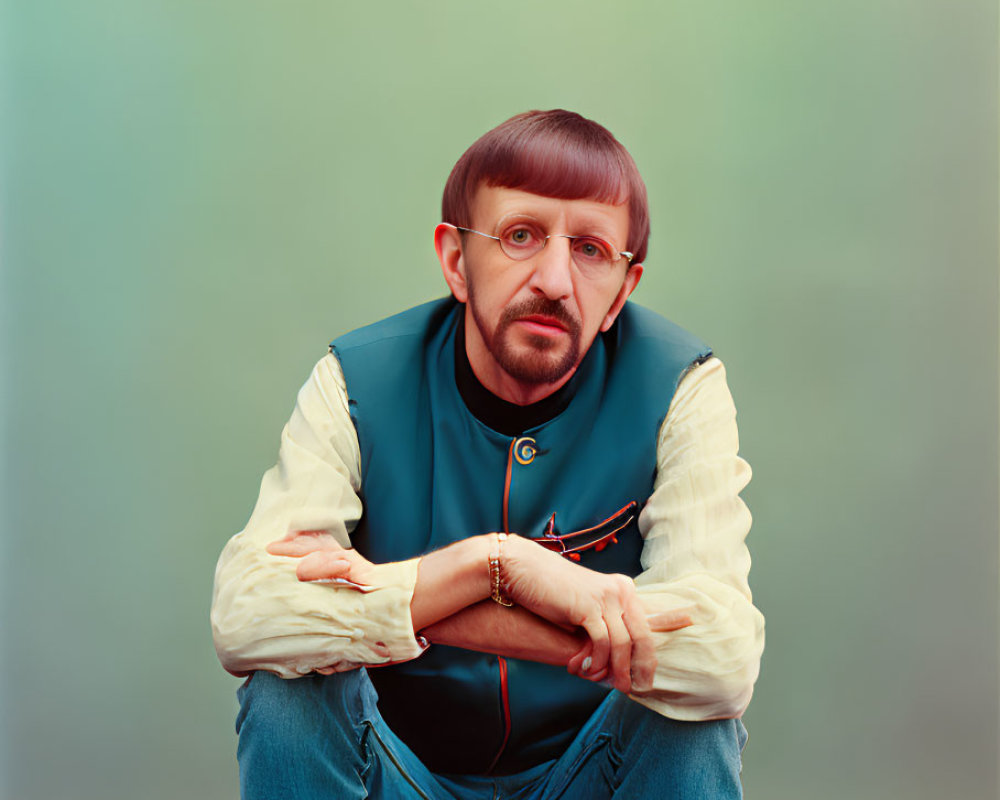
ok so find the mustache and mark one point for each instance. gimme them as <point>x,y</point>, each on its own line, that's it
<point>542,306</point>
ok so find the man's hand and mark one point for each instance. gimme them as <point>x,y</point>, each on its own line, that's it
<point>606,607</point>
<point>580,663</point>
<point>323,558</point>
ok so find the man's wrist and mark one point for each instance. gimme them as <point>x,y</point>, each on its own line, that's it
<point>471,559</point>
<point>513,547</point>
<point>481,548</point>
<point>451,579</point>
<point>498,589</point>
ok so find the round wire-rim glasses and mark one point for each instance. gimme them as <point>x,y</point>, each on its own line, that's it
<point>523,240</point>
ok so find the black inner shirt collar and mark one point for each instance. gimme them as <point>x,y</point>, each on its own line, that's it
<point>509,419</point>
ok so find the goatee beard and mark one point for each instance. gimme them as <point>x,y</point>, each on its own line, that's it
<point>537,365</point>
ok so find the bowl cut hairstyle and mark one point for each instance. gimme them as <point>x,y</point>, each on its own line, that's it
<point>554,154</point>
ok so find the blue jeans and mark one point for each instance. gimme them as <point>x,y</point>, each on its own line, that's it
<point>323,737</point>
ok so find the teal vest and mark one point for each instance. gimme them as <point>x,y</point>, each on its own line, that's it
<point>433,474</point>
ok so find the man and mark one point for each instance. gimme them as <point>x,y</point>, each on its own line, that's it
<point>513,514</point>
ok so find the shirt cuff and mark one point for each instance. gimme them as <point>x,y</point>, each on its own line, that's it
<point>293,628</point>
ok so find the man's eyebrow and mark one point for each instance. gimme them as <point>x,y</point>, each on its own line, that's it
<point>590,228</point>
<point>518,216</point>
<point>515,215</point>
<point>587,227</point>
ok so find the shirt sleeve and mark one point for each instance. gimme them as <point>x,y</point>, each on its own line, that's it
<point>695,556</point>
<point>263,617</point>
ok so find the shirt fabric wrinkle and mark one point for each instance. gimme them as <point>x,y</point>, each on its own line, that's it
<point>291,628</point>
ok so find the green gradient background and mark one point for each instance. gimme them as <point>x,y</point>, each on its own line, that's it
<point>197,197</point>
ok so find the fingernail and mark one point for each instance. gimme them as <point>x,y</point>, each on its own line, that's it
<point>587,662</point>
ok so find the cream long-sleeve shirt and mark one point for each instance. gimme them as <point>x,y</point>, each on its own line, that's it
<point>694,556</point>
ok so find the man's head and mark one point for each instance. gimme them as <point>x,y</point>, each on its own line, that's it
<point>542,217</point>
<point>555,154</point>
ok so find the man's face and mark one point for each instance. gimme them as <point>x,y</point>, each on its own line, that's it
<point>529,323</point>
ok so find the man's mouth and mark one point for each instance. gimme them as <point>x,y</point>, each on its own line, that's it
<point>543,324</point>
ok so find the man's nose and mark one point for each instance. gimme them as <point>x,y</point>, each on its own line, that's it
<point>553,269</point>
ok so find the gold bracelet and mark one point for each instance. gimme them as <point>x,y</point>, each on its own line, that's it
<point>497,592</point>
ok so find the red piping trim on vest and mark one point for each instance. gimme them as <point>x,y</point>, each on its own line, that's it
<point>506,486</point>
<point>505,698</point>
<point>502,662</point>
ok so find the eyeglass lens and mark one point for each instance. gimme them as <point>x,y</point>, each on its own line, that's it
<point>523,240</point>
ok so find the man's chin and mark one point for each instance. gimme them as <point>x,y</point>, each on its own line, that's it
<point>538,366</point>
<point>530,358</point>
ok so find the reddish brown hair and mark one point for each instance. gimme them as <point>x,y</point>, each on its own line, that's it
<point>555,154</point>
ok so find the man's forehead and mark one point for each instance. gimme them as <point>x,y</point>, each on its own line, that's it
<point>490,204</point>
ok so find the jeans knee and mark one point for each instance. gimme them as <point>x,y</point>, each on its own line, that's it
<point>295,709</point>
<point>305,732</point>
<point>720,740</point>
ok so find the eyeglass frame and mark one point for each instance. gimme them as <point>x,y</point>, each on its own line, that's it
<point>628,256</point>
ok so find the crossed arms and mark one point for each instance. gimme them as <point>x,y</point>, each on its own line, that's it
<point>565,614</point>
<point>683,637</point>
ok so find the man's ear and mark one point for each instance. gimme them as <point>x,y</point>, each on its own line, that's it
<point>448,244</point>
<point>628,286</point>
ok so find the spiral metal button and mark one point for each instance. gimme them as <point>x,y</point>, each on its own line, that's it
<point>524,450</point>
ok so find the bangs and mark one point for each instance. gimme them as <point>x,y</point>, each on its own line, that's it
<point>555,165</point>
<point>554,154</point>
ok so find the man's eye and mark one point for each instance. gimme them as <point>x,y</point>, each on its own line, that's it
<point>520,236</point>
<point>593,249</point>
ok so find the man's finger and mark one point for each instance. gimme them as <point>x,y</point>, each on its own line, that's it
<point>323,564</point>
<point>581,661</point>
<point>303,543</point>
<point>292,547</point>
<point>643,647</point>
<point>621,651</point>
<point>672,620</point>
<point>599,677</point>
<point>597,630</point>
